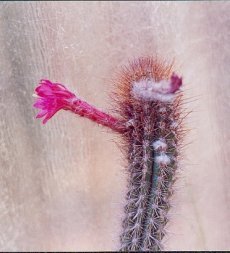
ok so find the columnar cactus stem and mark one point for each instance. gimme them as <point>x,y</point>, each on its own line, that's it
<point>149,107</point>
<point>148,103</point>
<point>164,156</point>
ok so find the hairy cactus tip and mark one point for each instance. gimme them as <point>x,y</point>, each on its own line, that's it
<point>149,105</point>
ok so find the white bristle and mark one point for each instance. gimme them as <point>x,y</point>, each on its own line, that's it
<point>163,159</point>
<point>159,145</point>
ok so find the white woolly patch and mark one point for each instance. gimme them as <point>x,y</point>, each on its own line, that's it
<point>129,123</point>
<point>162,159</point>
<point>150,90</point>
<point>159,145</point>
<point>174,124</point>
<point>162,109</point>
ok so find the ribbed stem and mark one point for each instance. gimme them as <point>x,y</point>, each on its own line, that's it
<point>152,112</point>
<point>131,228</point>
<point>158,202</point>
<point>152,157</point>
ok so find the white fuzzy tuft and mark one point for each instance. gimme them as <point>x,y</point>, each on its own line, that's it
<point>159,145</point>
<point>130,123</point>
<point>174,124</point>
<point>148,89</point>
<point>163,159</point>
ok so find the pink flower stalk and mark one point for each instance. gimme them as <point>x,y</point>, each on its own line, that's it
<point>52,97</point>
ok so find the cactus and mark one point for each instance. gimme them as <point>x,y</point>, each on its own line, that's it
<point>148,103</point>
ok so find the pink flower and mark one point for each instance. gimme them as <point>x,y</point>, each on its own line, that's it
<point>52,97</point>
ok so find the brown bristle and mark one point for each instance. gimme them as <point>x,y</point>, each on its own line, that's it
<point>147,67</point>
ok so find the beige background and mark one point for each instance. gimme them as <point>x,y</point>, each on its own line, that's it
<point>63,184</point>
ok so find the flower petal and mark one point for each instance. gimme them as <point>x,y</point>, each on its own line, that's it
<point>41,114</point>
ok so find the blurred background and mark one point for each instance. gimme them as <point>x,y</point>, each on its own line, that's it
<point>63,184</point>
